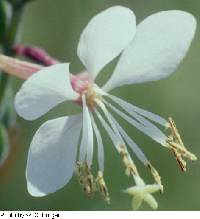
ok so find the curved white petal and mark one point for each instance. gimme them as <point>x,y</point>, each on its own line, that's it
<point>52,155</point>
<point>160,43</point>
<point>105,36</point>
<point>43,91</point>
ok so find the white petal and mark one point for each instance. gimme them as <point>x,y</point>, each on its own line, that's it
<point>52,155</point>
<point>86,147</point>
<point>43,91</point>
<point>105,36</point>
<point>160,43</point>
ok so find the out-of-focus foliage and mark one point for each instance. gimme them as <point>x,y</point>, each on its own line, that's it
<point>56,26</point>
<point>2,19</point>
<point>7,113</point>
<point>4,144</point>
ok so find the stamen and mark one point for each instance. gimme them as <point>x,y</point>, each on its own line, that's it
<point>174,131</point>
<point>118,142</point>
<point>128,162</point>
<point>136,149</point>
<point>100,153</point>
<point>156,176</point>
<point>109,118</point>
<point>85,178</point>
<point>86,147</point>
<point>91,97</point>
<point>175,143</point>
<point>118,132</point>
<point>139,154</point>
<point>102,187</point>
<point>154,133</point>
<point>115,140</point>
<point>179,159</point>
<point>182,150</point>
<point>134,109</point>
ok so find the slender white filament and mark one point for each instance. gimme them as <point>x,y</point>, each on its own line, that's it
<point>146,124</point>
<point>131,108</point>
<point>100,152</point>
<point>153,133</point>
<point>108,116</point>
<point>139,153</point>
<point>116,141</point>
<point>86,146</point>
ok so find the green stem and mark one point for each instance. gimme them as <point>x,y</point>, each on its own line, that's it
<point>10,37</point>
<point>9,41</point>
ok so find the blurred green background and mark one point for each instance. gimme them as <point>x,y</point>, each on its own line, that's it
<point>56,27</point>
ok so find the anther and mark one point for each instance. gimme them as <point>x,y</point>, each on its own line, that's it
<point>128,162</point>
<point>91,97</point>
<point>102,187</point>
<point>85,178</point>
<point>175,143</point>
<point>175,132</point>
<point>156,176</point>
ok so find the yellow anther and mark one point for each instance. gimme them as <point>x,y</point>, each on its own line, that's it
<point>85,178</point>
<point>102,187</point>
<point>175,143</point>
<point>156,176</point>
<point>128,162</point>
<point>91,97</point>
<point>175,134</point>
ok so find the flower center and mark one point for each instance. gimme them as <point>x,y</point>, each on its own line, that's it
<point>91,96</point>
<point>83,85</point>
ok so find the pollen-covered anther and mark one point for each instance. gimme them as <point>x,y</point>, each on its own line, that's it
<point>181,150</point>
<point>179,159</point>
<point>174,132</point>
<point>91,97</point>
<point>102,187</point>
<point>131,169</point>
<point>175,143</point>
<point>156,176</point>
<point>85,178</point>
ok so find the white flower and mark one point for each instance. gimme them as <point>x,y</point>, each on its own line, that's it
<point>149,52</point>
